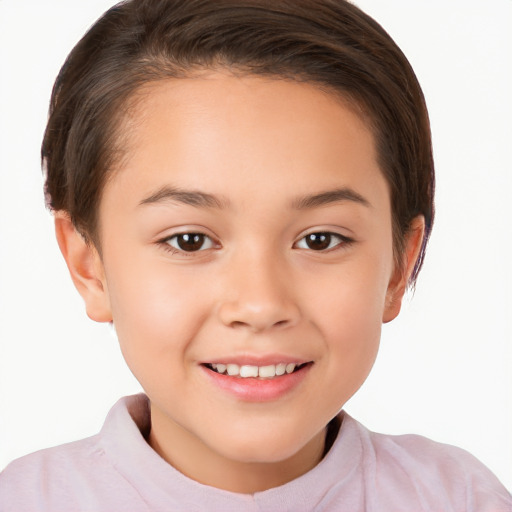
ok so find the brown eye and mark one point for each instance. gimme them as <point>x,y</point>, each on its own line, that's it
<point>190,242</point>
<point>322,241</point>
<point>318,241</point>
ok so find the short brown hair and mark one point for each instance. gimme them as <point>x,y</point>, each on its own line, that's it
<point>330,43</point>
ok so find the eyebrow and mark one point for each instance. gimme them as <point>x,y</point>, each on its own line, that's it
<point>204,200</point>
<point>328,197</point>
<point>189,197</point>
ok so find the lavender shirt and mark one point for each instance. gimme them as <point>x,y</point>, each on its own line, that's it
<point>117,471</point>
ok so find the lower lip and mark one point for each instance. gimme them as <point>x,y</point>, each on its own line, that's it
<point>258,390</point>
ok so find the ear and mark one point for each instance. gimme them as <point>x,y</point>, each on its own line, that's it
<point>86,268</point>
<point>401,274</point>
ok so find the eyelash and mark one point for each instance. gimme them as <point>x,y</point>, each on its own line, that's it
<point>326,237</point>
<point>200,238</point>
<point>166,243</point>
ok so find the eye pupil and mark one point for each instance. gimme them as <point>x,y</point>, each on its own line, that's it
<point>190,241</point>
<point>318,241</point>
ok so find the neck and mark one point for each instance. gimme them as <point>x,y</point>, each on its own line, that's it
<point>186,453</point>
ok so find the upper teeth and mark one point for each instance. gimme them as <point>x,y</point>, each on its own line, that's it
<point>268,371</point>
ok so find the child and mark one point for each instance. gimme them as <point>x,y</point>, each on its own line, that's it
<point>245,189</point>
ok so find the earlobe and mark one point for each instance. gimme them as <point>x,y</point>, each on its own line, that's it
<point>399,281</point>
<point>85,268</point>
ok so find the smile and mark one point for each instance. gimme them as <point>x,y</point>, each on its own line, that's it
<point>255,383</point>
<point>262,372</point>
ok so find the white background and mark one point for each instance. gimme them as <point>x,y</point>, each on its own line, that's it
<point>445,367</point>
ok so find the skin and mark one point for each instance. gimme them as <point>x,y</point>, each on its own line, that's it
<point>258,148</point>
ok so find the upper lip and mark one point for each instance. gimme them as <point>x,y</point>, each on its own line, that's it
<point>256,360</point>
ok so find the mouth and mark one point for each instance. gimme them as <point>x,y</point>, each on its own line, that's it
<point>266,372</point>
<point>255,382</point>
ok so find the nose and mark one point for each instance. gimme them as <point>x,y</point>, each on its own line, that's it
<point>258,295</point>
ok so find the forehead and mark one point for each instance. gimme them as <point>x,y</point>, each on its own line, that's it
<point>229,134</point>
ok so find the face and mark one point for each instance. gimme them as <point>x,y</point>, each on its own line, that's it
<point>247,232</point>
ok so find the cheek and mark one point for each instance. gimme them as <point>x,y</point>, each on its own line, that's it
<point>354,332</point>
<point>349,316</point>
<point>351,301</point>
<point>156,312</point>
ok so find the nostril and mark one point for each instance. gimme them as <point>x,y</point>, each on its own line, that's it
<point>238,324</point>
<point>258,315</point>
